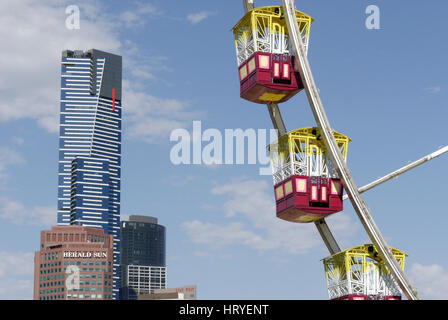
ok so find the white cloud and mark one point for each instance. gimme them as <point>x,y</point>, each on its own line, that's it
<point>342,225</point>
<point>16,275</point>
<point>217,236</point>
<point>431,281</point>
<point>213,256</point>
<point>139,15</point>
<point>33,36</point>
<point>16,263</point>
<point>18,141</point>
<point>253,202</point>
<point>434,89</point>
<point>177,181</point>
<point>195,18</point>
<point>17,213</point>
<point>151,118</point>
<point>8,157</point>
<point>16,289</point>
<point>143,74</point>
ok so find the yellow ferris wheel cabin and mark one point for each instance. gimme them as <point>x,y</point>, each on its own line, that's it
<point>359,273</point>
<point>307,186</point>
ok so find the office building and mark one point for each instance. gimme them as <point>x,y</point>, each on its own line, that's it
<point>137,280</point>
<point>143,265</point>
<point>74,263</point>
<point>143,241</point>
<point>90,144</point>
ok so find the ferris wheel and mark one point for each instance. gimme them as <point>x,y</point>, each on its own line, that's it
<point>309,166</point>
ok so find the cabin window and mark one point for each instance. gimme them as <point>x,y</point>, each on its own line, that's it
<point>251,65</point>
<point>288,187</point>
<point>324,193</point>
<point>243,72</point>
<point>286,71</point>
<point>279,192</point>
<point>276,69</point>
<point>301,185</point>
<point>314,193</point>
<point>335,187</point>
<point>263,62</point>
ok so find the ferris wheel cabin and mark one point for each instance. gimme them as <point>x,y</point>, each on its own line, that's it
<point>306,185</point>
<point>360,274</point>
<point>267,70</point>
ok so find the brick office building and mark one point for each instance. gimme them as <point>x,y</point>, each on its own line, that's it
<point>74,263</point>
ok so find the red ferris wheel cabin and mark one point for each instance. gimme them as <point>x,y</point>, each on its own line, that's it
<point>267,77</point>
<point>306,185</point>
<point>307,199</point>
<point>267,70</point>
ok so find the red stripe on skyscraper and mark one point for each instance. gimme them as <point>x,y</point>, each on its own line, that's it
<point>113,99</point>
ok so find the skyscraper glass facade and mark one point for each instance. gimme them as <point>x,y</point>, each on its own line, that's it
<point>143,262</point>
<point>143,242</point>
<point>90,144</point>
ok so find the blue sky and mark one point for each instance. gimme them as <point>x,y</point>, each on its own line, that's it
<point>386,89</point>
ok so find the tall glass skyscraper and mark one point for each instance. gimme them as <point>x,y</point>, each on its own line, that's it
<point>90,144</point>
